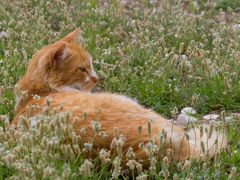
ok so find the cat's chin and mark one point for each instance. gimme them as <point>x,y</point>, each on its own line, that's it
<point>77,87</point>
<point>67,89</point>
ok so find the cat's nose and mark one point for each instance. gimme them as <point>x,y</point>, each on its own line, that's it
<point>94,79</point>
<point>94,76</point>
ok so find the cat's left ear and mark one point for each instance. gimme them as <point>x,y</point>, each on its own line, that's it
<point>72,37</point>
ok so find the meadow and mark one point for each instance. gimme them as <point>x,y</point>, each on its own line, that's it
<point>164,55</point>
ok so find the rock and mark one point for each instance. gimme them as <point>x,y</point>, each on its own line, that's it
<point>236,27</point>
<point>188,110</point>
<point>210,117</point>
<point>184,119</point>
<point>172,121</point>
<point>236,115</point>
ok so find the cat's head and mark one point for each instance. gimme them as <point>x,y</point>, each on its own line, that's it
<point>64,66</point>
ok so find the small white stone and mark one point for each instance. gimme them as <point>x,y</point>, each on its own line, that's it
<point>184,58</point>
<point>184,119</point>
<point>210,117</point>
<point>236,27</point>
<point>188,110</point>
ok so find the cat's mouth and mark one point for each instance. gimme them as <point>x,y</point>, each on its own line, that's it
<point>78,88</point>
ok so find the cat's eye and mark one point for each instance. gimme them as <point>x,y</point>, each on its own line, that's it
<point>82,69</point>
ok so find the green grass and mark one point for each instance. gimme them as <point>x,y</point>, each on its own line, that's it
<point>225,4</point>
<point>134,53</point>
<point>5,172</point>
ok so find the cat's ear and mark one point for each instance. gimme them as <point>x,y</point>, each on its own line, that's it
<point>60,55</point>
<point>72,37</point>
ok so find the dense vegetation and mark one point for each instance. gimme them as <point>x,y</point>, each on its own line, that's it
<point>165,57</point>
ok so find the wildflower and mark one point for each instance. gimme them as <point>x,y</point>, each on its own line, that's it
<point>169,153</point>
<point>104,156</point>
<point>36,97</point>
<point>232,174</point>
<point>149,148</point>
<point>66,171</point>
<point>152,167</point>
<point>181,48</point>
<point>113,143</point>
<point>131,164</point>
<point>141,145</point>
<point>117,168</point>
<point>48,101</point>
<point>76,149</point>
<point>121,140</point>
<point>174,112</point>
<point>103,134</point>
<point>116,132</point>
<point>85,168</point>
<point>130,154</point>
<point>142,177</point>
<point>96,126</point>
<point>165,162</point>
<point>165,173</point>
<point>175,177</point>
<point>82,130</point>
<point>48,172</point>
<point>186,165</point>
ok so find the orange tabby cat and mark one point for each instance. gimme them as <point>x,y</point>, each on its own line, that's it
<point>63,71</point>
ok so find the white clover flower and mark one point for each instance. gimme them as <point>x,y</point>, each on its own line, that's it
<point>48,172</point>
<point>130,154</point>
<point>36,97</point>
<point>149,148</point>
<point>186,165</point>
<point>66,171</point>
<point>152,167</point>
<point>142,177</point>
<point>131,164</point>
<point>96,126</point>
<point>117,167</point>
<point>104,156</point>
<point>165,162</point>
<point>85,168</point>
<point>113,143</point>
<point>121,140</point>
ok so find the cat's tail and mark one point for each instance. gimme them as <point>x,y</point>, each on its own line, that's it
<point>206,141</point>
<point>196,143</point>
